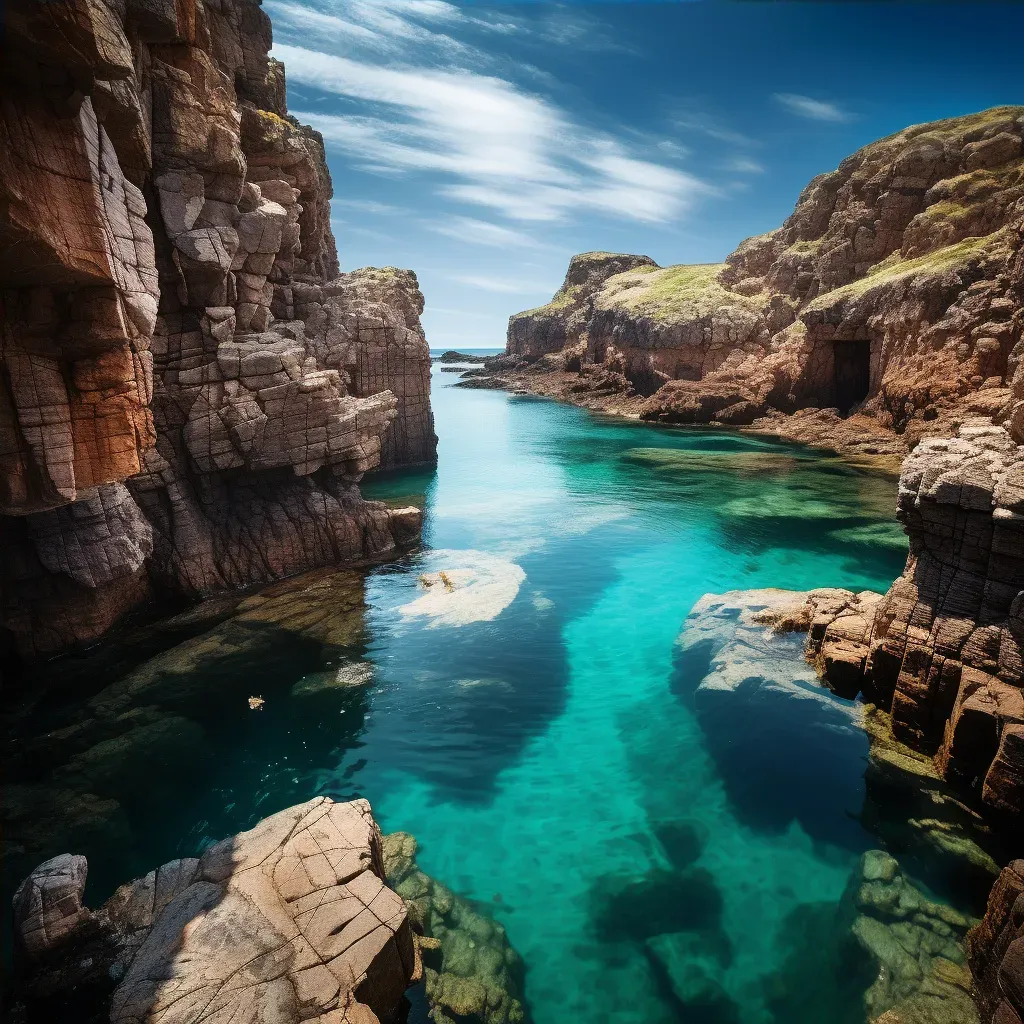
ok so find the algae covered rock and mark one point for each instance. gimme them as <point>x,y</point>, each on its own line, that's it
<point>472,973</point>
<point>916,944</point>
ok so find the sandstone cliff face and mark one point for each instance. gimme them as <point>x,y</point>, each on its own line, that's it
<point>889,289</point>
<point>190,391</point>
<point>943,650</point>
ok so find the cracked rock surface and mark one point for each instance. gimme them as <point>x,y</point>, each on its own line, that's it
<point>290,921</point>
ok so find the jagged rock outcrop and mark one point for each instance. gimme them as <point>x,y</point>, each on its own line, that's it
<point>564,320</point>
<point>188,383</point>
<point>288,922</point>
<point>943,650</point>
<point>893,288</point>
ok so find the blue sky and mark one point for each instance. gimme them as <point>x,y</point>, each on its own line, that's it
<point>483,145</point>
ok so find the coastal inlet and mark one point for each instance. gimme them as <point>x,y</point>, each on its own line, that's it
<point>516,696</point>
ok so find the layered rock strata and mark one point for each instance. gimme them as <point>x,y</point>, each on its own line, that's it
<point>995,950</point>
<point>190,391</point>
<point>289,922</point>
<point>942,650</point>
<point>893,288</point>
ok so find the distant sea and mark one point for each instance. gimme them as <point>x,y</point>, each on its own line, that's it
<point>491,351</point>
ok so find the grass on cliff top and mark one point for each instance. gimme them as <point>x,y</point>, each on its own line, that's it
<point>684,292</point>
<point>564,298</point>
<point>951,127</point>
<point>893,268</point>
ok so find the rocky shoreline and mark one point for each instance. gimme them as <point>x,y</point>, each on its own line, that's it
<point>292,920</point>
<point>883,321</point>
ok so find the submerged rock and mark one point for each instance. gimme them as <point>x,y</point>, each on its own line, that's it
<point>349,676</point>
<point>105,770</point>
<point>921,815</point>
<point>915,944</point>
<point>767,721</point>
<point>472,973</point>
<point>290,921</point>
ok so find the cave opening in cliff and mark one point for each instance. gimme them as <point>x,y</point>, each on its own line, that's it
<point>852,373</point>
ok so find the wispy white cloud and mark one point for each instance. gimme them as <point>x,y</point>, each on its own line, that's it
<point>743,165</point>
<point>494,144</point>
<point>369,206</point>
<point>815,110</point>
<point>482,232</point>
<point>343,229</point>
<point>692,119</point>
<point>673,149</point>
<point>501,284</point>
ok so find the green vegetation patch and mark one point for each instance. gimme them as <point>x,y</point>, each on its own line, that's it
<point>684,292</point>
<point>894,268</point>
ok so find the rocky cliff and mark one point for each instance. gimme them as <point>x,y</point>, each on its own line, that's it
<point>888,291</point>
<point>943,650</point>
<point>896,291</point>
<point>189,389</point>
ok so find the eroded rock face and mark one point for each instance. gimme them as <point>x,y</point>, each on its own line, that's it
<point>942,650</point>
<point>893,288</point>
<point>290,921</point>
<point>995,950</point>
<point>174,322</point>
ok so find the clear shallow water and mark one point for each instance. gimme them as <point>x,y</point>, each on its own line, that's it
<point>533,727</point>
<point>540,754</point>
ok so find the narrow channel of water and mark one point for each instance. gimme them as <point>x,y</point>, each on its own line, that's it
<point>539,751</point>
<point>531,726</point>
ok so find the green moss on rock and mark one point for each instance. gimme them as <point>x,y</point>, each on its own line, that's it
<point>471,971</point>
<point>894,268</point>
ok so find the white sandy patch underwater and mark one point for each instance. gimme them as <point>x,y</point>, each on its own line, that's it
<point>462,587</point>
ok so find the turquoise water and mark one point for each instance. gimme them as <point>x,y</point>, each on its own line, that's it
<point>539,754</point>
<point>533,727</point>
